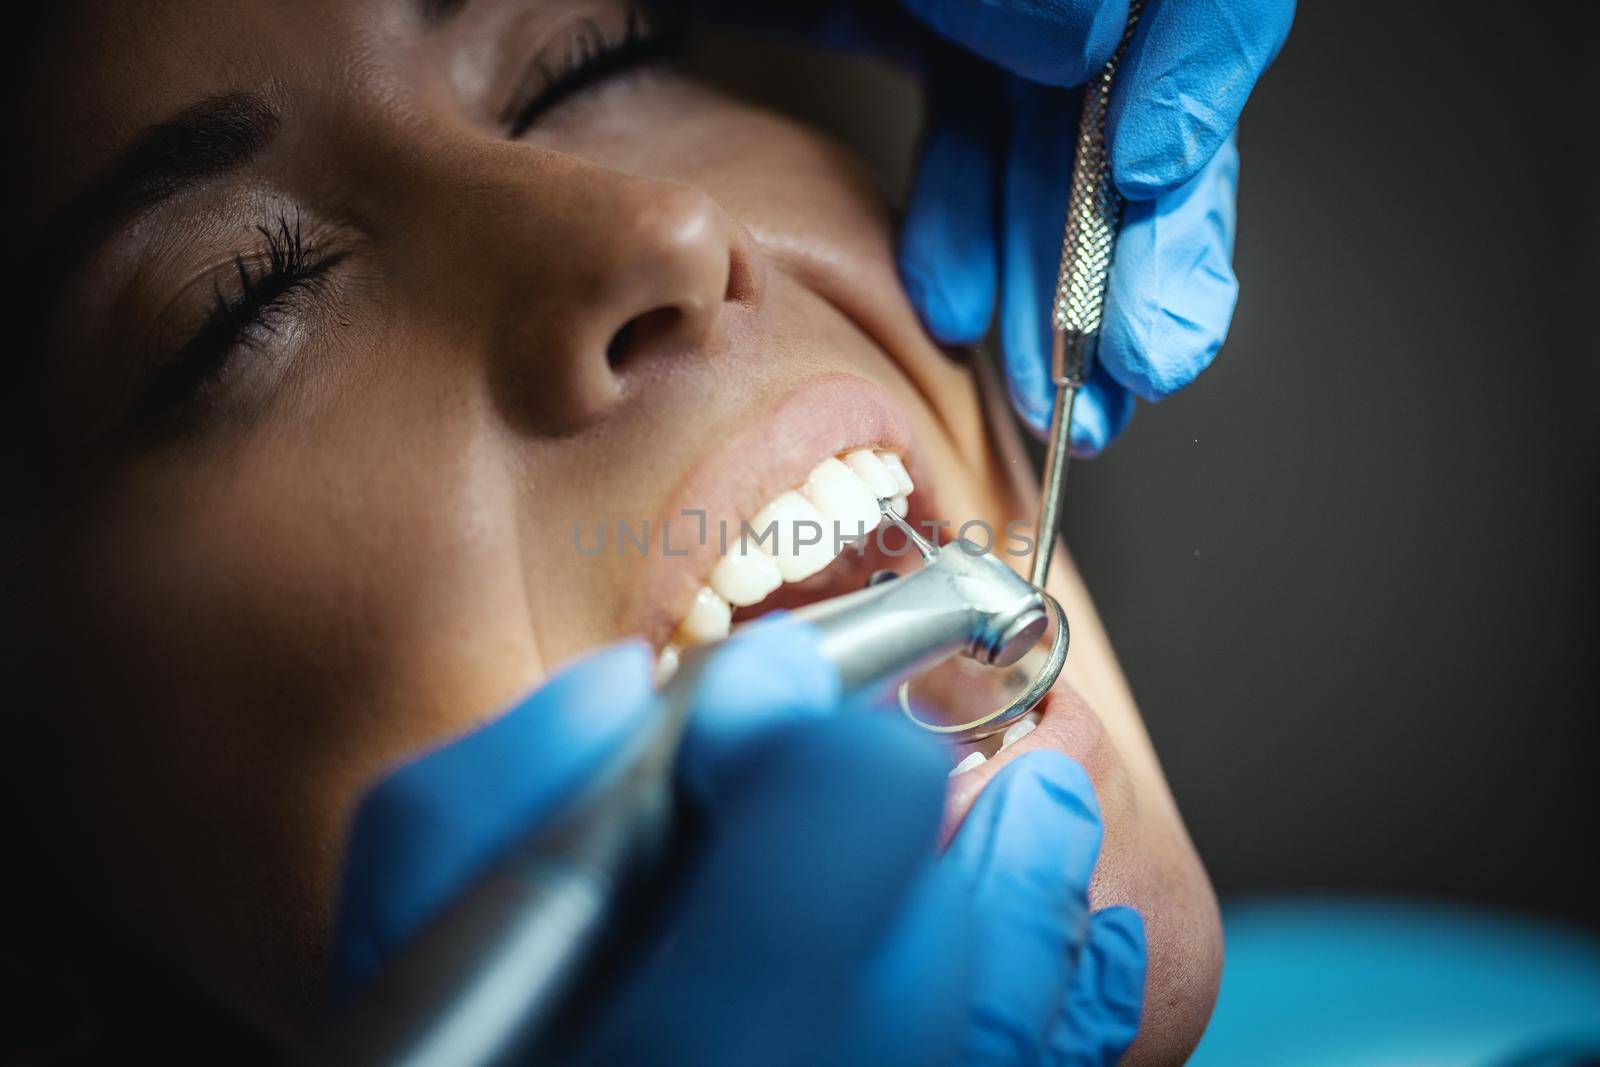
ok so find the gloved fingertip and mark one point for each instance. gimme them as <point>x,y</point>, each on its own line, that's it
<point>1053,792</point>
<point>1105,1001</point>
<point>1118,946</point>
<point>947,254</point>
<point>778,619</point>
<point>1091,430</point>
<point>953,318</point>
<point>882,755</point>
<point>1049,44</point>
<point>1143,170</point>
<point>1035,830</point>
<point>774,667</point>
<point>1157,143</point>
<point>1064,780</point>
<point>1119,933</point>
<point>848,761</point>
<point>1174,343</point>
<point>797,801</point>
<point>1173,289</point>
<point>1100,413</point>
<point>769,674</point>
<point>1184,82</point>
<point>1179,347</point>
<point>1027,851</point>
<point>607,685</point>
<point>808,866</point>
<point>915,988</point>
<point>1033,395</point>
<point>1034,413</point>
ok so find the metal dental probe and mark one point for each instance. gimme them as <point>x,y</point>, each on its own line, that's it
<point>1093,210</point>
<point>517,955</point>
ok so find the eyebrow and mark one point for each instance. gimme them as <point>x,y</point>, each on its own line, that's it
<point>216,136</point>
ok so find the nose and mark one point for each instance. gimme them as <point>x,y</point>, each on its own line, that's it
<point>599,276</point>
<point>676,262</point>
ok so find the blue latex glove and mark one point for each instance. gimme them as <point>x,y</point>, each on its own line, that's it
<point>817,924</point>
<point>1053,984</point>
<point>987,209</point>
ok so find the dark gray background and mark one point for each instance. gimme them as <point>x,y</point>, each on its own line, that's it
<point>1352,572</point>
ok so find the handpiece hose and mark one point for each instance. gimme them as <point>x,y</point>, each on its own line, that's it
<point>1093,211</point>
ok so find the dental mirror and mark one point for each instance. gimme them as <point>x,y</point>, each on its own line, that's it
<point>964,700</point>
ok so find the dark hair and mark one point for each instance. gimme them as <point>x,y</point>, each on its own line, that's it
<point>73,989</point>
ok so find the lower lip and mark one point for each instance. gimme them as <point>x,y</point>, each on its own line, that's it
<point>1066,725</point>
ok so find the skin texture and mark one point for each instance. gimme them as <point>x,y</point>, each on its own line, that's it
<point>353,542</point>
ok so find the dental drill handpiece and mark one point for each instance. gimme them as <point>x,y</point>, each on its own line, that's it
<point>521,952</point>
<point>1093,211</point>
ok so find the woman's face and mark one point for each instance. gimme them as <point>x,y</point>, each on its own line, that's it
<point>354,310</point>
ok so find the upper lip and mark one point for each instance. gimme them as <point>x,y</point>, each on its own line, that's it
<point>771,451</point>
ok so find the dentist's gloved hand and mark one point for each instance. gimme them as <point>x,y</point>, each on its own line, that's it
<point>988,206</point>
<point>1052,984</point>
<point>816,923</point>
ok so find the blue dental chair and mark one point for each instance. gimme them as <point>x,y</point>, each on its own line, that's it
<point>1329,982</point>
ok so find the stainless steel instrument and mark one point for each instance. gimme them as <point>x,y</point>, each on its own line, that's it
<point>1093,211</point>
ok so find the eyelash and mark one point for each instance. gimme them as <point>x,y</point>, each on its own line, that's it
<point>285,267</point>
<point>590,56</point>
<point>268,282</point>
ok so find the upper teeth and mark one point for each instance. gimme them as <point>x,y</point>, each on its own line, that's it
<point>840,494</point>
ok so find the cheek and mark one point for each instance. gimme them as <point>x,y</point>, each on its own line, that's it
<point>241,647</point>
<point>325,592</point>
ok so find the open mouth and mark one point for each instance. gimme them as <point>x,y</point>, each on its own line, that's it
<point>814,541</point>
<point>1063,722</point>
<point>833,449</point>
<point>805,479</point>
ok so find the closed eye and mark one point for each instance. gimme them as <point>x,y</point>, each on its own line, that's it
<point>263,285</point>
<point>584,57</point>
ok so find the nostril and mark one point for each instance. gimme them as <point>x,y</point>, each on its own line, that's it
<point>744,284</point>
<point>639,333</point>
<point>617,350</point>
